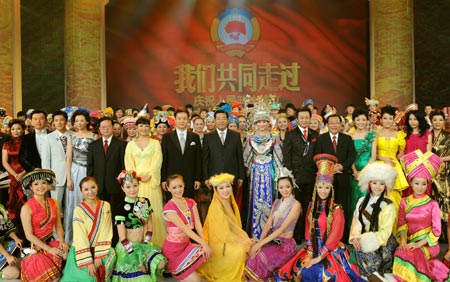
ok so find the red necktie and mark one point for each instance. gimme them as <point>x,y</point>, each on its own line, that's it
<point>105,146</point>
<point>305,134</point>
<point>334,144</point>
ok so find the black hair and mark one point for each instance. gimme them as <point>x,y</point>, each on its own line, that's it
<point>21,114</point>
<point>180,110</point>
<point>159,108</point>
<point>334,115</point>
<point>423,124</point>
<point>304,109</point>
<point>102,119</point>
<point>81,113</point>
<point>360,112</point>
<point>19,122</point>
<point>60,113</point>
<point>189,106</point>
<point>172,177</point>
<point>86,179</point>
<point>376,209</point>
<point>38,112</point>
<point>388,109</point>
<point>142,120</point>
<point>220,112</point>
<point>288,178</point>
<point>437,113</point>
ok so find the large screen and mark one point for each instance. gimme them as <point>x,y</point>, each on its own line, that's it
<point>204,52</point>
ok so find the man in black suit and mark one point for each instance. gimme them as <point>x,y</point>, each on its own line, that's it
<point>222,151</point>
<point>340,145</point>
<point>32,143</point>
<point>106,161</point>
<point>298,151</point>
<point>182,154</point>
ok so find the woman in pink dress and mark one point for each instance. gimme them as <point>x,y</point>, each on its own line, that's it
<point>419,224</point>
<point>418,137</point>
<point>40,218</point>
<point>182,218</point>
<point>10,161</point>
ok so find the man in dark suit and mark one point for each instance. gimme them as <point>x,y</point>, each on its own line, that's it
<point>32,143</point>
<point>223,156</point>
<point>106,161</point>
<point>340,145</point>
<point>182,154</point>
<point>298,151</point>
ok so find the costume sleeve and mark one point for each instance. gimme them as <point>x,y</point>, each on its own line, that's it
<point>356,228</point>
<point>435,232</point>
<point>277,154</point>
<point>402,225</point>
<point>103,244</point>
<point>155,166</point>
<point>308,245</point>
<point>130,163</point>
<point>401,137</point>
<point>336,231</point>
<point>81,242</point>
<point>386,220</point>
<point>248,152</point>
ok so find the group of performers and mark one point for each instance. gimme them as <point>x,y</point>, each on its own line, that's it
<point>394,216</point>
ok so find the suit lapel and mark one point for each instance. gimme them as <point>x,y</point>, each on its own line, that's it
<point>174,137</point>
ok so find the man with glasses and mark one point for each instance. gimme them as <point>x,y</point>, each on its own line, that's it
<point>298,150</point>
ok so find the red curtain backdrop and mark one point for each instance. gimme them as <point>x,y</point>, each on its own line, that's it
<point>148,43</point>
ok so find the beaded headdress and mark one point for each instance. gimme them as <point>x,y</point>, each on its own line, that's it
<point>218,179</point>
<point>261,111</point>
<point>161,117</point>
<point>127,176</point>
<point>38,174</point>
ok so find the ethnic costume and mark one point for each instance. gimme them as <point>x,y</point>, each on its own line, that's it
<point>183,256</point>
<point>224,235</point>
<point>419,217</point>
<point>6,227</point>
<point>91,240</point>
<point>324,230</point>
<point>273,255</point>
<point>42,265</point>
<point>263,157</point>
<point>372,223</point>
<point>441,183</point>
<point>134,214</point>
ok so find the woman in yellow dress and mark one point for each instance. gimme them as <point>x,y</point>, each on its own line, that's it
<point>390,148</point>
<point>223,232</point>
<point>144,156</point>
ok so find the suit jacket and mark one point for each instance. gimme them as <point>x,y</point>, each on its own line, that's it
<point>105,169</point>
<point>53,156</point>
<point>29,156</point>
<point>187,164</point>
<point>298,155</point>
<point>218,158</point>
<point>346,154</point>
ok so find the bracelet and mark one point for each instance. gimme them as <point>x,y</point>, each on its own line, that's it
<point>148,236</point>
<point>127,245</point>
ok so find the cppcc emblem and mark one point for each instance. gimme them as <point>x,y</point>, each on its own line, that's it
<point>235,32</point>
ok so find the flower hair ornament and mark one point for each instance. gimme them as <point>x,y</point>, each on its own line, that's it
<point>127,176</point>
<point>284,172</point>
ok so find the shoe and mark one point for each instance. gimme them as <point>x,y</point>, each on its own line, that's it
<point>375,277</point>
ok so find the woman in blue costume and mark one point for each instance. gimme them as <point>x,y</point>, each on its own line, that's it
<point>263,157</point>
<point>366,150</point>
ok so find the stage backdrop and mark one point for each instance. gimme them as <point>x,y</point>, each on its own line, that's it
<point>205,51</point>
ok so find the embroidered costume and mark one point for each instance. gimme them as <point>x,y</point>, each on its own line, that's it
<point>183,256</point>
<point>276,253</point>
<point>91,240</point>
<point>134,214</point>
<point>42,265</point>
<point>6,227</point>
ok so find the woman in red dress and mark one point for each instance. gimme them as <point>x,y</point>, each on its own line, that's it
<point>40,218</point>
<point>10,161</point>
